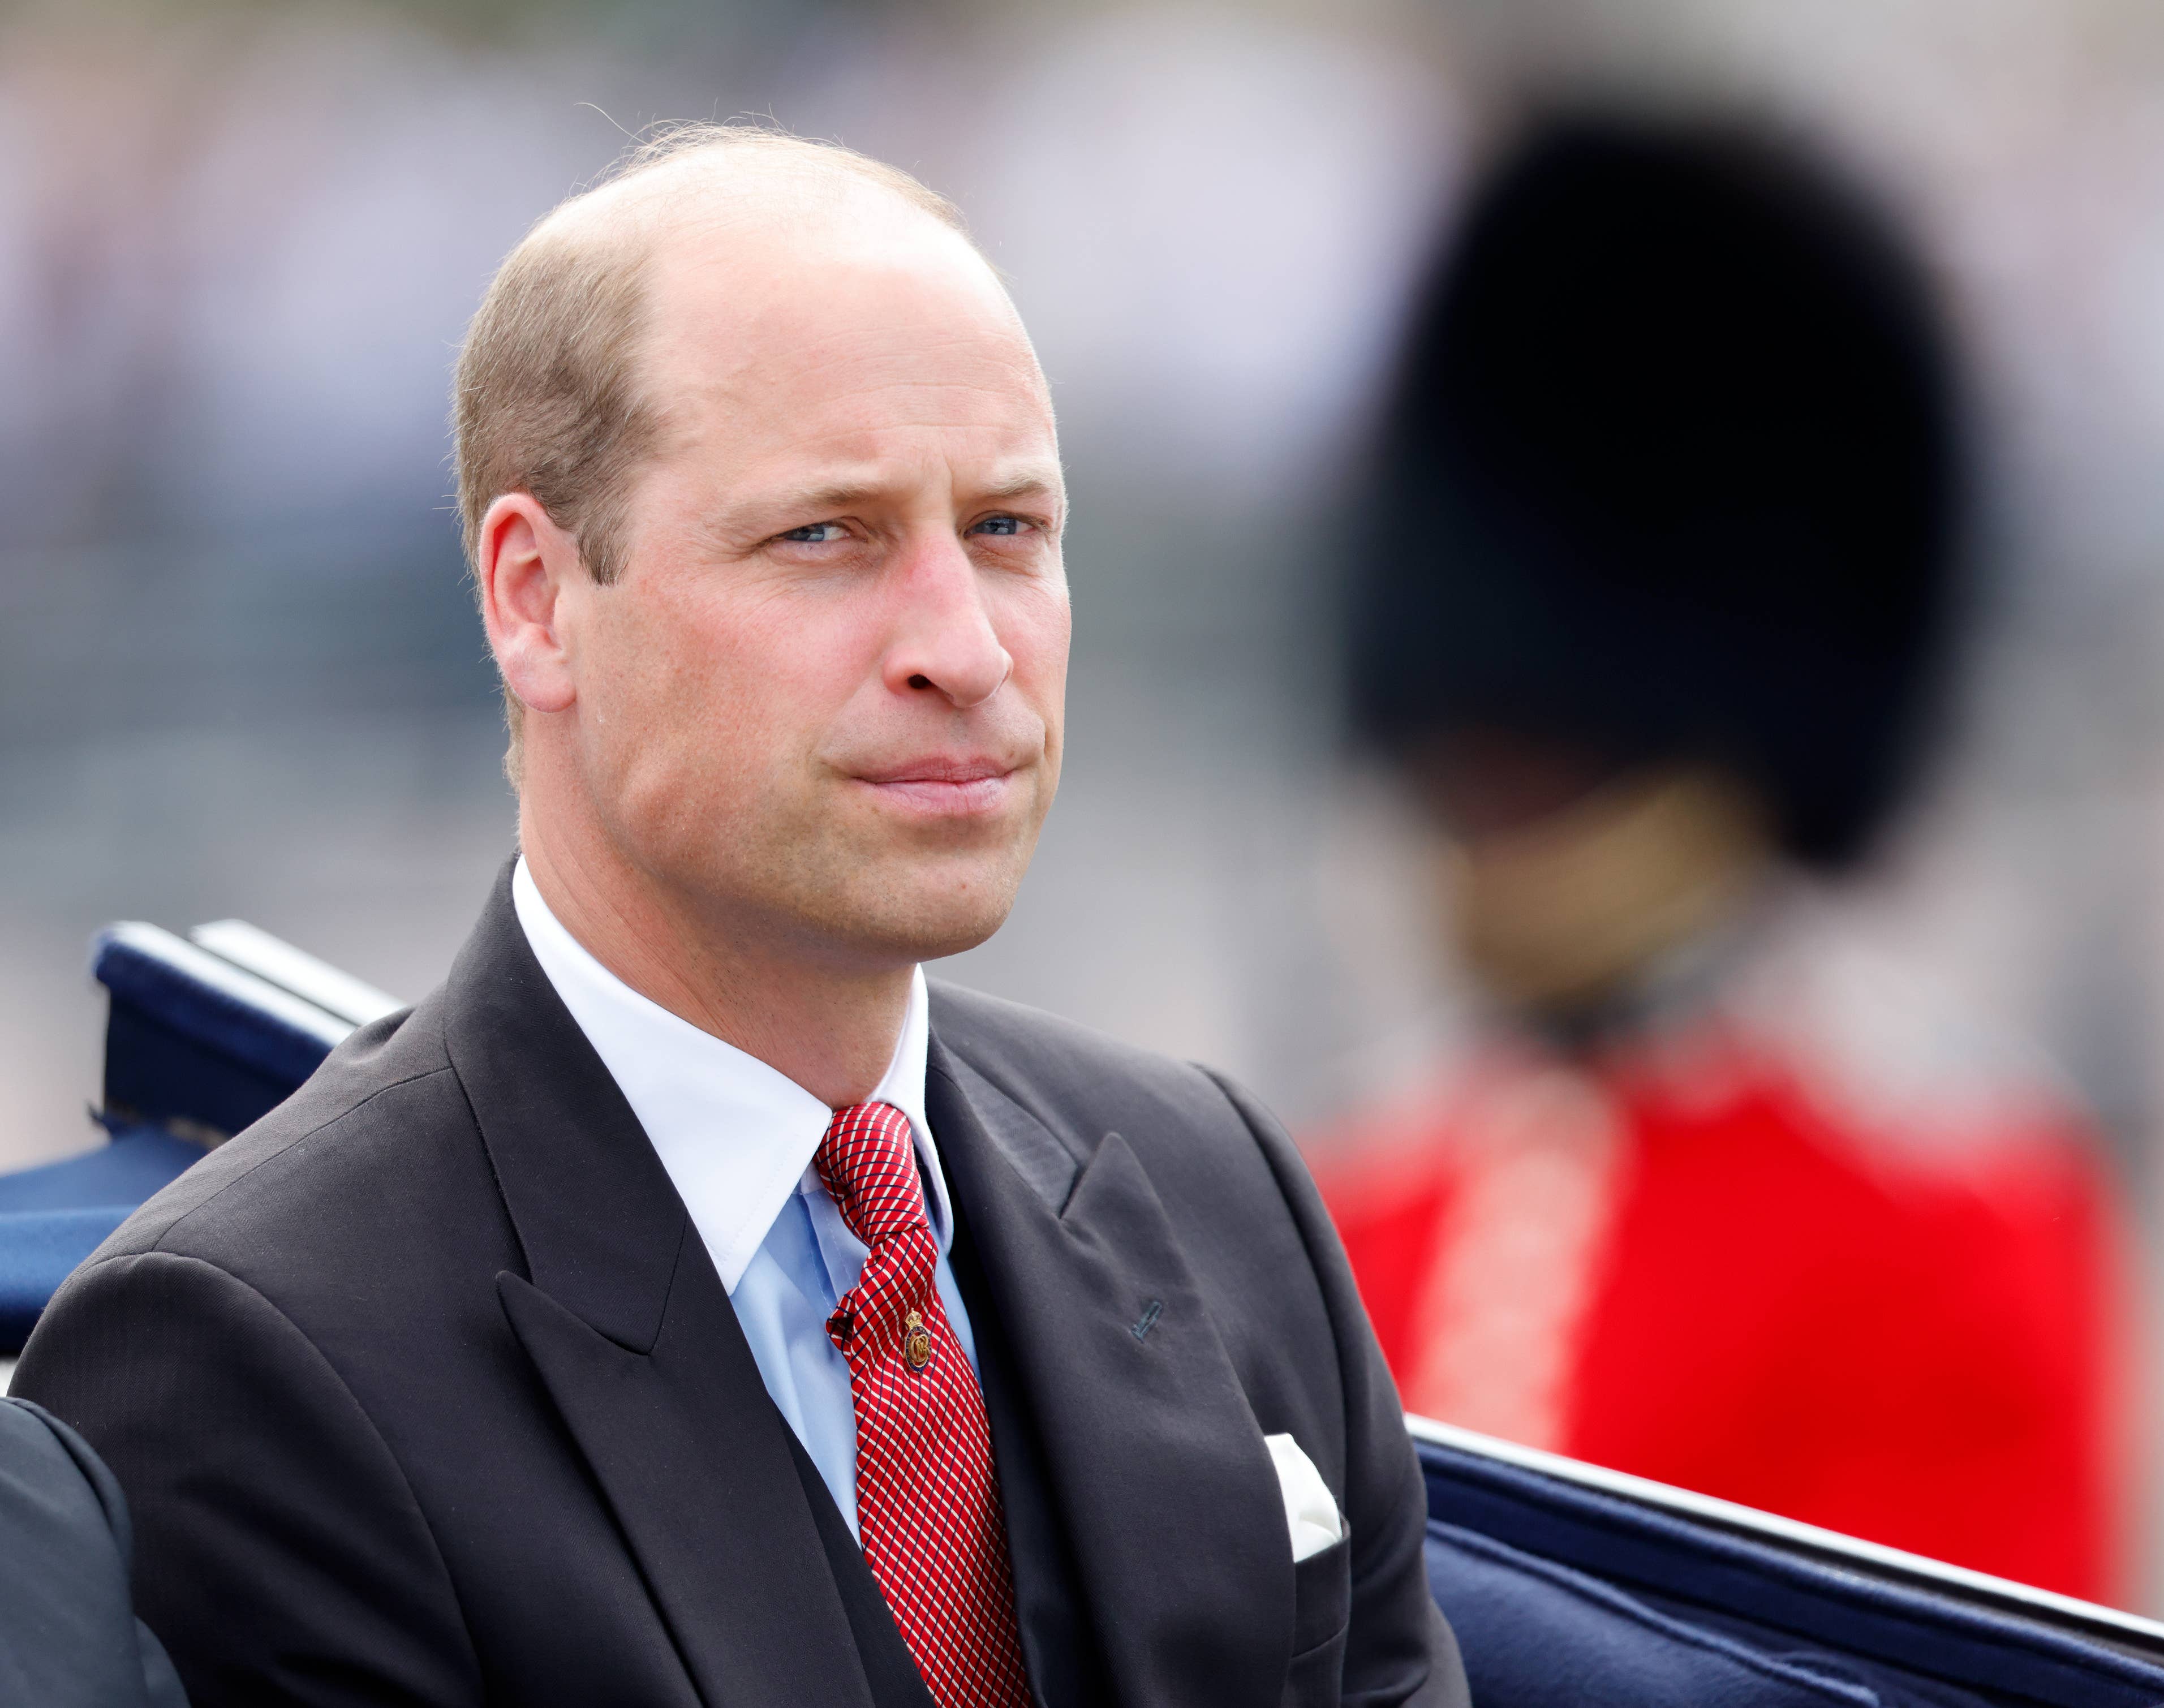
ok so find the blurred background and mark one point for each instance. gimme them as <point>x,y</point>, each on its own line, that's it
<point>239,673</point>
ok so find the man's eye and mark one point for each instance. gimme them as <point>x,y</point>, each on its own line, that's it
<point>816,534</point>
<point>999,525</point>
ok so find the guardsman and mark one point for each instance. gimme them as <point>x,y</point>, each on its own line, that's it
<point>1663,561</point>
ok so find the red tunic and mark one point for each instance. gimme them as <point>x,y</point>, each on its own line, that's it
<point>1692,1261</point>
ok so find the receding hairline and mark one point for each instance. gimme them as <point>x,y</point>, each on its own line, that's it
<point>572,292</point>
<point>696,176</point>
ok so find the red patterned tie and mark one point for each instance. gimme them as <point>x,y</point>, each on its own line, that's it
<point>928,1493</point>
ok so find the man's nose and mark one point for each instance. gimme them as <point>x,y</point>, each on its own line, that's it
<point>945,640</point>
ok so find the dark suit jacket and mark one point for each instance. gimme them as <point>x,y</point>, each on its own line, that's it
<point>424,1391</point>
<point>68,1636</point>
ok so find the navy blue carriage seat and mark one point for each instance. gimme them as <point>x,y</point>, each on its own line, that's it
<point>205,1033</point>
<point>1568,1584</point>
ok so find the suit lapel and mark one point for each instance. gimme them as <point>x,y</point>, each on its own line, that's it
<point>1156,1460</point>
<point>636,1345</point>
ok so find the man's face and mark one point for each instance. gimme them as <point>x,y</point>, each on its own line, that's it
<point>823,702</point>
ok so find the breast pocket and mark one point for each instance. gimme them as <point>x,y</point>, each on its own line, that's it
<point>1321,1609</point>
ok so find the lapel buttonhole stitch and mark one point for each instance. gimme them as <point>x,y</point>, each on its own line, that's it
<point>1147,1319</point>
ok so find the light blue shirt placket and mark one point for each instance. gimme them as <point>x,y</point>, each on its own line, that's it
<point>807,1261</point>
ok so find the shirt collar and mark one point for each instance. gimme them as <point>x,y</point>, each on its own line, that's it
<point>736,1135</point>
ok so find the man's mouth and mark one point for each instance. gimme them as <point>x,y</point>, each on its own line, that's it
<point>947,786</point>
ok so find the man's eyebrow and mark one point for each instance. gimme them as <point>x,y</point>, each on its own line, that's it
<point>849,495</point>
<point>805,500</point>
<point>1022,486</point>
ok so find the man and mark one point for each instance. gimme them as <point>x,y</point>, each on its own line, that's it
<point>685,1303</point>
<point>1715,1200</point>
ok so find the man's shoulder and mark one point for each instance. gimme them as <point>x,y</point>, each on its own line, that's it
<point>378,1106</point>
<point>1206,1144</point>
<point>993,1026</point>
<point>1041,1058</point>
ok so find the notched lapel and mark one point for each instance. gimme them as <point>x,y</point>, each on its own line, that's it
<point>691,1456</point>
<point>1164,1482</point>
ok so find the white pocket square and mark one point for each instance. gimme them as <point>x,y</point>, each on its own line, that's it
<point>1311,1514</point>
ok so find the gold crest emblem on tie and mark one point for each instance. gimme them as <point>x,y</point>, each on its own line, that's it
<point>917,1344</point>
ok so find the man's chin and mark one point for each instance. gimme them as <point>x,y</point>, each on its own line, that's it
<point>925,921</point>
<point>870,900</point>
<point>934,935</point>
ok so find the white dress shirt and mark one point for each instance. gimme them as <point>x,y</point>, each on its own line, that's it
<point>738,1138</point>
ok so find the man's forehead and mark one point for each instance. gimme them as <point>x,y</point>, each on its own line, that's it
<point>832,270</point>
<point>846,288</point>
<point>849,361</point>
<point>891,315</point>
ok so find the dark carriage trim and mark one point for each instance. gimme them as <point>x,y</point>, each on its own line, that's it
<point>2129,1633</point>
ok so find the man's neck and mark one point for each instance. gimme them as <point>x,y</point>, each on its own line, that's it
<point>831,1029</point>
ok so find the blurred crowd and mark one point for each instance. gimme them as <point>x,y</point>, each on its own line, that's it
<point>1618,572</point>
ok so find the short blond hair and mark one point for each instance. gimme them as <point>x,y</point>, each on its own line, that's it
<point>547,399</point>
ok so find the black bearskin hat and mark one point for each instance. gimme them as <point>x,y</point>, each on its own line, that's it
<point>1669,469</point>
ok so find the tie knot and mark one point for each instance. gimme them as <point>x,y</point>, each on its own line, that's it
<point>869,1166</point>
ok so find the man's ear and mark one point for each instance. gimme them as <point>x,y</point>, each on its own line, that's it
<point>526,565</point>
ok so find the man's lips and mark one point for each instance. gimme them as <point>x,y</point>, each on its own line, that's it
<point>957,787</point>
